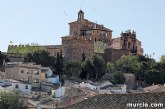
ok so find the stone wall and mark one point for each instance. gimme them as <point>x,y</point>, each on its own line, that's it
<point>52,49</point>
<point>116,43</point>
<point>73,48</point>
<point>113,55</point>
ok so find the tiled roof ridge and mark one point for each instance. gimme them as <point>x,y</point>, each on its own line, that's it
<point>118,101</point>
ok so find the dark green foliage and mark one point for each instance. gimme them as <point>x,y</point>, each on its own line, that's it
<point>118,78</point>
<point>162,59</point>
<point>128,64</point>
<point>41,57</point>
<point>72,69</point>
<point>83,74</point>
<point>110,67</point>
<point>93,69</point>
<point>156,75</point>
<point>99,67</point>
<point>87,69</point>
<point>3,58</point>
<point>9,100</point>
<point>146,71</point>
<point>83,57</point>
<point>59,64</point>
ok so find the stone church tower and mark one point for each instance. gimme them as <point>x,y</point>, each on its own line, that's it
<point>128,41</point>
<point>82,38</point>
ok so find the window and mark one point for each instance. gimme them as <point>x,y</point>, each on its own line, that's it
<point>46,75</point>
<point>74,32</point>
<point>36,72</point>
<point>36,80</point>
<point>106,34</point>
<point>22,71</point>
<point>26,87</point>
<point>90,38</point>
<point>16,86</point>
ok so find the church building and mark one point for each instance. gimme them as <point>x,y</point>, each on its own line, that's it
<point>89,38</point>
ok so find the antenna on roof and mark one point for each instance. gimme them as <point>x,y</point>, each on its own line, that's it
<point>80,4</point>
<point>95,26</point>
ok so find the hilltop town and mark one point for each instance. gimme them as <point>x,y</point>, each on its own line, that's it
<point>89,70</point>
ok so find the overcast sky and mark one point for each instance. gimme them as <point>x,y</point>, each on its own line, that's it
<point>45,21</point>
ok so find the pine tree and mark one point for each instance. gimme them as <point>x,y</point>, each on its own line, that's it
<point>83,57</point>
<point>59,64</point>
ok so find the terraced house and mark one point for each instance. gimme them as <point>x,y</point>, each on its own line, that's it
<point>29,73</point>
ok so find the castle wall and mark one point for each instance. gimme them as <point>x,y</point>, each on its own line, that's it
<point>16,57</point>
<point>54,49</point>
<point>139,49</point>
<point>116,43</point>
<point>113,55</point>
<point>73,49</point>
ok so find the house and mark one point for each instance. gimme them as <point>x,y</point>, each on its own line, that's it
<point>69,83</point>
<point>102,84</point>
<point>48,72</point>
<point>119,101</point>
<point>96,85</point>
<point>88,85</point>
<point>45,103</point>
<point>119,88</point>
<point>29,72</point>
<point>10,84</point>
<point>58,92</point>
<point>53,79</point>
<point>130,80</point>
<point>21,86</point>
<point>48,86</point>
<point>105,91</point>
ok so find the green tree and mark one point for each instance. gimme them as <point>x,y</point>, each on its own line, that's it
<point>128,64</point>
<point>3,58</point>
<point>40,57</point>
<point>156,75</point>
<point>118,77</point>
<point>87,69</point>
<point>110,67</point>
<point>83,57</point>
<point>59,64</point>
<point>72,68</point>
<point>98,67</point>
<point>9,100</point>
<point>162,59</point>
<point>146,70</point>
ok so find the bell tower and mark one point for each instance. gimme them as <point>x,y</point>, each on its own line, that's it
<point>80,15</point>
